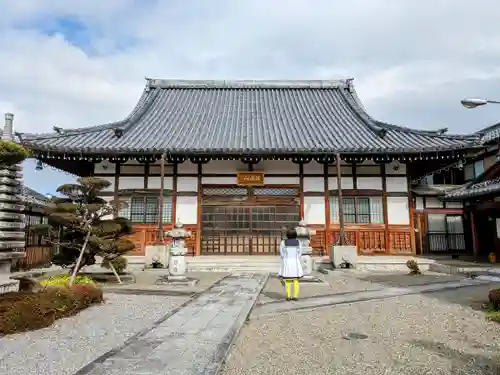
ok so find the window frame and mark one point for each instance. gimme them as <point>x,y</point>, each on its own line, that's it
<point>147,215</point>
<point>356,209</point>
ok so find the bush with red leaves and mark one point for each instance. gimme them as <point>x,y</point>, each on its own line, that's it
<point>28,311</point>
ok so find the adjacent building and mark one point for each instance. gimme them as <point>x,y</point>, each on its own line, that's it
<point>239,162</point>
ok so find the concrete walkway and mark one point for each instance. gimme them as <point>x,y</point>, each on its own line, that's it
<point>279,307</point>
<point>194,340</point>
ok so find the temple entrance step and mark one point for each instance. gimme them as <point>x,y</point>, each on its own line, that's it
<point>234,263</point>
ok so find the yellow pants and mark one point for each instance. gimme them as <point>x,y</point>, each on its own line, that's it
<point>288,288</point>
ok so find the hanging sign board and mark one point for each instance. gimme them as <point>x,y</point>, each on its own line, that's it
<point>250,178</point>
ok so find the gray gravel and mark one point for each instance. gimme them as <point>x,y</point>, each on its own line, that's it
<point>71,343</point>
<point>436,334</point>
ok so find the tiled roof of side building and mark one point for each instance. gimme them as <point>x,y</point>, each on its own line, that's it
<point>31,196</point>
<point>490,133</point>
<point>228,117</point>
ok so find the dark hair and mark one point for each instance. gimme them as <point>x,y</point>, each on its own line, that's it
<point>291,234</point>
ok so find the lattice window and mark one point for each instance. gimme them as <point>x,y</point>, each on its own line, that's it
<point>124,210</point>
<point>359,210</point>
<point>145,210</point>
<point>276,191</point>
<point>226,191</point>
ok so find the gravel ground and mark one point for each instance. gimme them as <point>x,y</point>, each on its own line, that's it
<point>438,333</point>
<point>73,342</point>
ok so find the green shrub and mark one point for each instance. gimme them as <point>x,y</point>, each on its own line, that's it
<point>63,280</point>
<point>27,311</point>
<point>12,153</point>
<point>120,264</point>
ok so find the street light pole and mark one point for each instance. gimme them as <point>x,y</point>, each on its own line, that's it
<point>471,103</point>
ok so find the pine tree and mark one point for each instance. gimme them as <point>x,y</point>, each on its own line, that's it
<point>11,153</point>
<point>76,221</point>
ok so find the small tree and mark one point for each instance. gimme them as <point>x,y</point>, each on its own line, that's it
<point>77,227</point>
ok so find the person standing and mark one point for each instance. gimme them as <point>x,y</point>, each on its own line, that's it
<point>291,268</point>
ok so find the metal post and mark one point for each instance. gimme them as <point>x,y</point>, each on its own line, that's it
<point>162,199</point>
<point>341,208</point>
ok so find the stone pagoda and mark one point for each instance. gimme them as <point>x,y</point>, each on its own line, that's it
<point>12,235</point>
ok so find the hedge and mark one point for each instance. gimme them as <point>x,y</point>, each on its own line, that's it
<point>27,311</point>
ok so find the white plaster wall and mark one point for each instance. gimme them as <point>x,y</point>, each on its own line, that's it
<point>395,168</point>
<point>281,180</point>
<point>111,179</point>
<point>155,182</point>
<point>454,205</point>
<point>187,210</point>
<point>188,167</point>
<point>374,182</point>
<point>397,184</point>
<point>346,182</point>
<point>314,184</point>
<point>277,167</point>
<point>344,168</point>
<point>219,180</point>
<point>156,169</point>
<point>419,203</point>
<point>187,183</point>
<point>132,167</point>
<point>105,167</point>
<point>224,167</point>
<point>433,202</point>
<point>397,210</point>
<point>131,182</point>
<point>313,168</point>
<point>314,210</point>
<point>368,167</point>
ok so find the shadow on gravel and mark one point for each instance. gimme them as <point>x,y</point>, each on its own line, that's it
<point>474,297</point>
<point>463,362</point>
<point>402,280</point>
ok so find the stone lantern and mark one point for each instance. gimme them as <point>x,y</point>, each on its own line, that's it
<point>12,236</point>
<point>177,267</point>
<point>304,237</point>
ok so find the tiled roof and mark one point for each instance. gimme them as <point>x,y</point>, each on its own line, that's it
<point>31,196</point>
<point>471,190</point>
<point>259,117</point>
<point>490,133</point>
<point>434,190</point>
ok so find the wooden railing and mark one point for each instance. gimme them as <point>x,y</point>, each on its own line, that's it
<point>369,239</point>
<point>375,240</point>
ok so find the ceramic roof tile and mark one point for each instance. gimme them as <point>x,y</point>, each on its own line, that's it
<point>247,117</point>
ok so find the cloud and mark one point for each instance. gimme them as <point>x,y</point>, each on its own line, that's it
<point>73,63</point>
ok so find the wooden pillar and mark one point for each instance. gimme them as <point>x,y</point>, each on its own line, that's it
<point>301,189</point>
<point>199,212</point>
<point>327,207</point>
<point>174,195</point>
<point>116,195</point>
<point>475,241</point>
<point>384,209</point>
<point>162,199</point>
<point>341,208</point>
<point>411,212</point>
<point>146,175</point>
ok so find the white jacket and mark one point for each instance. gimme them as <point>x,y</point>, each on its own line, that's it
<point>290,259</point>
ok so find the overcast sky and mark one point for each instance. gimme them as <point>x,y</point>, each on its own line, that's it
<point>79,63</point>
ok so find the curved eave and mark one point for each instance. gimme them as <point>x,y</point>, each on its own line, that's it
<point>144,101</point>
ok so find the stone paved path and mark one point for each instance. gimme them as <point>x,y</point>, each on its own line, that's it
<point>195,340</point>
